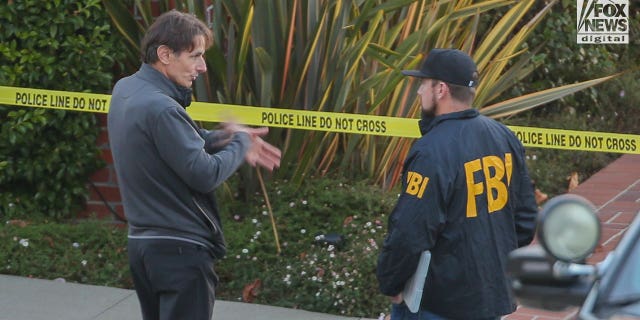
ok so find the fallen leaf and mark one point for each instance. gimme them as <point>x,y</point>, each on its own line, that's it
<point>250,291</point>
<point>49,240</point>
<point>573,181</point>
<point>540,196</point>
<point>347,221</point>
<point>17,222</point>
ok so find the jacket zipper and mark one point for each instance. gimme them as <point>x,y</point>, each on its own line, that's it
<point>204,213</point>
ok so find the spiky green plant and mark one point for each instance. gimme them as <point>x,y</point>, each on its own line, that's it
<point>345,56</point>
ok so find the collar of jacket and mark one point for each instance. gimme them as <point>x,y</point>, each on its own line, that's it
<point>180,94</point>
<point>428,123</point>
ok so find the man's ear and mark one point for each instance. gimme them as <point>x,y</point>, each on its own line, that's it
<point>443,89</point>
<point>164,54</point>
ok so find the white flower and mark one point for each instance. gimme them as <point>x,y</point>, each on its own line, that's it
<point>245,251</point>
<point>75,245</point>
<point>254,220</point>
<point>304,202</point>
<point>84,263</point>
<point>24,242</point>
<point>303,231</point>
<point>264,213</point>
<point>292,204</point>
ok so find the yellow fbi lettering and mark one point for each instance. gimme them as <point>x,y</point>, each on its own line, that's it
<point>416,184</point>
<point>493,169</point>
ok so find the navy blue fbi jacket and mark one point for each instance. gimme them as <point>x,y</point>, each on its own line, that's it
<point>468,198</point>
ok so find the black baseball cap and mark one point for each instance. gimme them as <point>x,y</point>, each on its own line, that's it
<point>448,65</point>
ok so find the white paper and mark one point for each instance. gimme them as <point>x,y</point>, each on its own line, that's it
<point>412,292</point>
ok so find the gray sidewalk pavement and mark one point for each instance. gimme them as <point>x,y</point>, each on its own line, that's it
<point>36,299</point>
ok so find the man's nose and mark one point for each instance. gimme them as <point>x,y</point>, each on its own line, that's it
<point>201,67</point>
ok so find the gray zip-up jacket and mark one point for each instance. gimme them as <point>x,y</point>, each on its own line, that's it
<point>167,167</point>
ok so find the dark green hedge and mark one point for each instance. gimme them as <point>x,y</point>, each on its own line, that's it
<point>612,106</point>
<point>46,156</point>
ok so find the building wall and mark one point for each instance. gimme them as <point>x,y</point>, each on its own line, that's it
<point>104,199</point>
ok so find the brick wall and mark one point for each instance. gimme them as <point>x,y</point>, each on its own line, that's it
<point>104,195</point>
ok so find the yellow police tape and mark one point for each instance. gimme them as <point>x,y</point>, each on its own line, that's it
<point>322,121</point>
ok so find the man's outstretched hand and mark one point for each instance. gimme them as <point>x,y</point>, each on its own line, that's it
<point>260,153</point>
<point>263,154</point>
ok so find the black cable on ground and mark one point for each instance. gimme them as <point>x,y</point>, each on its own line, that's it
<point>106,203</point>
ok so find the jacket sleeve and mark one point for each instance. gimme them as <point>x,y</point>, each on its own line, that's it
<point>215,140</point>
<point>526,208</point>
<point>413,225</point>
<point>181,146</point>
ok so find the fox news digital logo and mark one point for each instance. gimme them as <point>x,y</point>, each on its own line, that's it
<point>603,21</point>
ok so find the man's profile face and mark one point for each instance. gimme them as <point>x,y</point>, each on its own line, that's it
<point>427,97</point>
<point>185,67</point>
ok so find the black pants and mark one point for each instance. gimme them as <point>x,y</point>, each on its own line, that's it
<point>173,279</point>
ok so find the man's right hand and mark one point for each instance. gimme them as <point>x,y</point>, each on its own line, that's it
<point>260,152</point>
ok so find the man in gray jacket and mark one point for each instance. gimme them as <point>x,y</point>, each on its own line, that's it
<point>168,170</point>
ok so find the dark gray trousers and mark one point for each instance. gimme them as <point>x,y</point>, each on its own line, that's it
<point>173,279</point>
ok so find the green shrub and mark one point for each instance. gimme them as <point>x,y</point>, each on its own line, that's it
<point>47,155</point>
<point>609,107</point>
<point>88,252</point>
<point>309,273</point>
